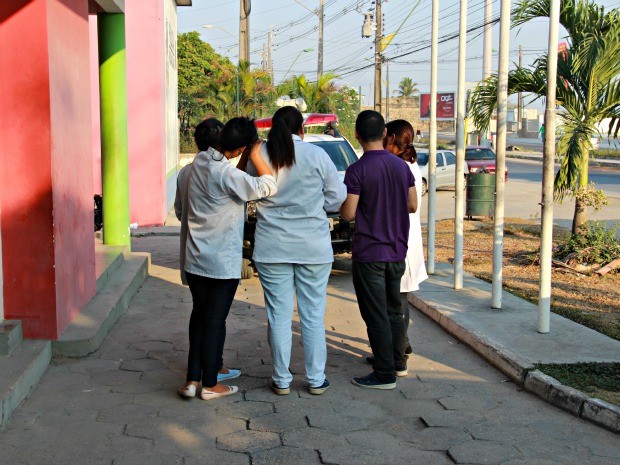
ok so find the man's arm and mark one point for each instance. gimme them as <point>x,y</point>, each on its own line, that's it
<point>349,207</point>
<point>412,200</point>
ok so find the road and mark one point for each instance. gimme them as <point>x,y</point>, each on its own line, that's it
<point>524,191</point>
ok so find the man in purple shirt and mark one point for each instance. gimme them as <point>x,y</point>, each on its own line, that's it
<point>380,196</point>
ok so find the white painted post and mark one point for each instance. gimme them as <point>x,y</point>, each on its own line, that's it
<point>432,149</point>
<point>500,145</point>
<point>459,210</point>
<point>546,236</point>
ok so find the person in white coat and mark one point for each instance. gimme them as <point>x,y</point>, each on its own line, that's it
<point>399,141</point>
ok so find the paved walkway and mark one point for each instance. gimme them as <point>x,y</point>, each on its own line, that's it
<point>119,406</point>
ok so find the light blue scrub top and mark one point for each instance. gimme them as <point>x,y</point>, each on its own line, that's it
<point>292,226</point>
<point>217,192</point>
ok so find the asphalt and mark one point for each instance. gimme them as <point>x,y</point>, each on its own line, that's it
<point>118,405</point>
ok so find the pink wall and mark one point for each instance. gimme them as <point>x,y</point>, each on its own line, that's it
<point>45,163</point>
<point>95,103</point>
<point>144,23</point>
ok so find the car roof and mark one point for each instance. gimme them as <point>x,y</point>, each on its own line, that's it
<point>321,138</point>
<point>477,147</point>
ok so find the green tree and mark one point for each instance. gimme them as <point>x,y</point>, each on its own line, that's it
<point>588,88</point>
<point>407,88</point>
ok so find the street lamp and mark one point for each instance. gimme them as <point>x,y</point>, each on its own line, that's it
<point>211,26</point>
<point>290,67</point>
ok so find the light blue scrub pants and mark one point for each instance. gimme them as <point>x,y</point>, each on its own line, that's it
<point>280,281</point>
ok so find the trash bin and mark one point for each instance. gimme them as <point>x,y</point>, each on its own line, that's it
<point>480,198</point>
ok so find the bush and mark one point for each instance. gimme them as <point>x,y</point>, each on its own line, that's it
<point>599,245</point>
<point>187,144</point>
<point>605,153</point>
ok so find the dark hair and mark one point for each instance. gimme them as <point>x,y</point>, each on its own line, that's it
<point>238,132</point>
<point>370,125</point>
<point>403,139</point>
<point>207,133</point>
<point>285,122</point>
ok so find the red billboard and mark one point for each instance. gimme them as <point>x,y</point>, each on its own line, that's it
<point>445,106</point>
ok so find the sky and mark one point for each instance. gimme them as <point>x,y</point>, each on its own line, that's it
<point>346,53</point>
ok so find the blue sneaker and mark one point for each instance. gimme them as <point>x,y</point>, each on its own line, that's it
<point>317,391</point>
<point>232,373</point>
<point>372,382</point>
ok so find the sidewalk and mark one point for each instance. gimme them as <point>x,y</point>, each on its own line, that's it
<point>119,405</point>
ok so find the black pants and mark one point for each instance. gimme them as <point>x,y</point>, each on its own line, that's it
<point>377,285</point>
<point>212,299</point>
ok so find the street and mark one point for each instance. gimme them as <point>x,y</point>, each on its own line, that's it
<point>524,190</point>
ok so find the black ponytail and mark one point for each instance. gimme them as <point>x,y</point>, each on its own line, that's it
<point>280,148</point>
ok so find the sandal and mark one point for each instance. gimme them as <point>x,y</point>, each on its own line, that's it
<point>189,391</point>
<point>232,373</point>
<point>206,394</point>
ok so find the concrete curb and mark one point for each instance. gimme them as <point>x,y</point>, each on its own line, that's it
<point>523,374</point>
<point>530,156</point>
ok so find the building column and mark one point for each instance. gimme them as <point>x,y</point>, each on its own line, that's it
<point>114,151</point>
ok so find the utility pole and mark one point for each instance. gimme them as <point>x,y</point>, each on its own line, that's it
<point>359,100</point>
<point>244,30</point>
<point>269,49</point>
<point>520,100</point>
<point>319,71</point>
<point>378,57</point>
<point>488,38</point>
<point>387,91</point>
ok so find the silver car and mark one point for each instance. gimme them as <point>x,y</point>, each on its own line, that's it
<point>446,168</point>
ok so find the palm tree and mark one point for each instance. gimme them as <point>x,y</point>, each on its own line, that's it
<point>407,88</point>
<point>588,88</point>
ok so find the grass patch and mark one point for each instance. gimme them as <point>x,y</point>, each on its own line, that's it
<point>600,380</point>
<point>605,153</point>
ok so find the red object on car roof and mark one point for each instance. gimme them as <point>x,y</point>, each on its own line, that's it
<point>310,119</point>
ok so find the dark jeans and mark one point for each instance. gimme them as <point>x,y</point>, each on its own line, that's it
<point>377,285</point>
<point>207,326</point>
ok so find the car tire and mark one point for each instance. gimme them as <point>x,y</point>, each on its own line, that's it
<point>246,269</point>
<point>424,187</point>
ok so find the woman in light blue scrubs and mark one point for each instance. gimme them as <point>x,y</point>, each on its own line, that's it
<point>293,252</point>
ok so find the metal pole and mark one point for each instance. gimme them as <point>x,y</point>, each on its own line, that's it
<point>387,90</point>
<point>460,151</point>
<point>488,38</point>
<point>487,52</point>
<point>319,71</point>
<point>379,21</point>
<point>237,79</point>
<point>546,237</point>
<point>520,100</point>
<point>500,150</point>
<point>359,100</point>
<point>114,148</point>
<point>432,149</point>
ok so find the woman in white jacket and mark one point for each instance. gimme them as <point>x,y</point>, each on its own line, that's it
<point>399,141</point>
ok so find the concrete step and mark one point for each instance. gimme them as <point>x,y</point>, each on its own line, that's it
<point>10,336</point>
<point>87,331</point>
<point>21,372</point>
<point>108,259</point>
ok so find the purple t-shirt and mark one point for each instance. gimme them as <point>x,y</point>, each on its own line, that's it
<point>382,182</point>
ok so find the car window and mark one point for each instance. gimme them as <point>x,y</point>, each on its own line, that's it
<point>339,151</point>
<point>422,158</point>
<point>439,159</point>
<point>450,158</point>
<point>479,154</point>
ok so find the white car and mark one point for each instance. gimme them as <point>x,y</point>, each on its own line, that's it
<point>338,148</point>
<point>445,173</point>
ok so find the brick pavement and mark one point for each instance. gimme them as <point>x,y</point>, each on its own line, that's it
<point>119,405</point>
